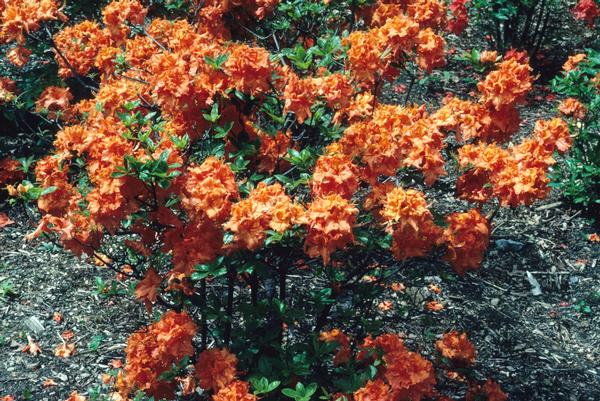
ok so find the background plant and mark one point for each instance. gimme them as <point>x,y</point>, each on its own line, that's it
<point>579,176</point>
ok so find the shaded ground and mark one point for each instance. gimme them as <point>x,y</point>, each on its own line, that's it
<point>38,280</point>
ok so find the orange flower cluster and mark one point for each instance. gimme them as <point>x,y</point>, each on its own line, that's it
<point>516,175</point>
<point>154,350</point>
<point>8,90</point>
<point>410,222</point>
<point>118,12</point>
<point>334,174</point>
<point>329,221</point>
<point>236,391</point>
<point>374,53</point>
<point>146,289</point>
<point>457,348</point>
<point>467,237</point>
<point>54,101</point>
<point>572,107</point>
<point>216,369</point>
<point>208,190</point>
<point>344,352</point>
<point>410,376</point>
<point>10,171</point>
<point>300,94</point>
<point>507,85</point>
<point>198,241</point>
<point>405,375</point>
<point>573,61</point>
<point>21,17</point>
<point>249,69</point>
<point>394,138</point>
<point>376,390</point>
<point>495,117</point>
<point>267,207</point>
<point>272,151</point>
<point>428,13</point>
<point>19,56</point>
<point>77,48</point>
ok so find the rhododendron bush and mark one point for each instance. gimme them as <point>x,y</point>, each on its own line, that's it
<point>579,176</point>
<point>249,184</point>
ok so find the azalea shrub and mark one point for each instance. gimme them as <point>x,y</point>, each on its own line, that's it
<point>257,190</point>
<point>578,177</point>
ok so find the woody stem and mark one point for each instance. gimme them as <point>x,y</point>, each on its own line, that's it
<point>229,310</point>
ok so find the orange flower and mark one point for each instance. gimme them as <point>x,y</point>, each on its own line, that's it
<point>152,351</point>
<point>373,348</point>
<point>573,61</point>
<point>19,56</point>
<point>118,12</point>
<point>428,13</point>
<point>430,49</point>
<point>423,144</point>
<point>10,171</point>
<point>410,222</point>
<point>344,352</point>
<point>195,243</point>
<point>571,107</point>
<point>50,172</point>
<point>209,190</point>
<point>32,347</point>
<point>329,221</point>
<point>79,44</point>
<point>75,396</point>
<point>64,350</point>
<point>334,173</point>
<point>146,289</point>
<point>488,56</point>
<point>267,207</point>
<point>460,16</point>
<point>18,18</point>
<point>507,85</point>
<point>336,89</point>
<point>272,151</point>
<point>553,135</point>
<point>361,106</point>
<point>490,391</point>
<point>467,238</point>
<point>385,306</point>
<point>434,306</point>
<point>216,369</point>
<point>54,101</point>
<point>8,90</point>
<point>520,185</point>
<point>594,237</point>
<point>410,376</point>
<point>457,348</point>
<point>373,391</point>
<point>467,119</point>
<point>236,391</point>
<point>249,69</point>
<point>300,95</point>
